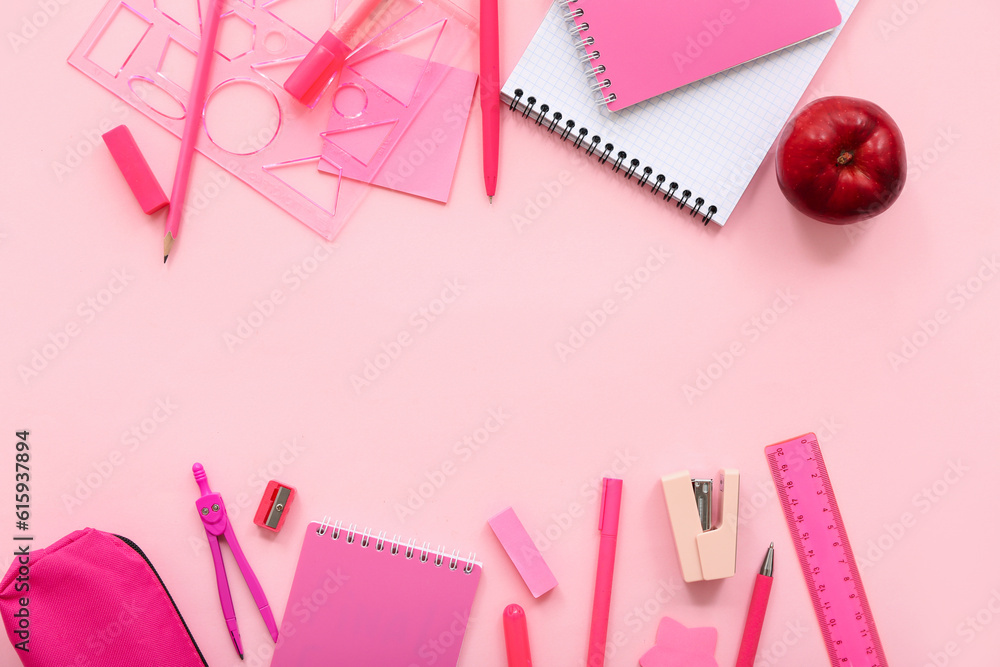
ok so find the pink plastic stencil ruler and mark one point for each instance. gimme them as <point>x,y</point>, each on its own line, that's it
<point>825,553</point>
<point>144,51</point>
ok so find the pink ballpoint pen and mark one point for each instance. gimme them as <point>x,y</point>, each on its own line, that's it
<point>755,615</point>
<point>212,511</point>
<point>611,503</point>
<point>489,93</point>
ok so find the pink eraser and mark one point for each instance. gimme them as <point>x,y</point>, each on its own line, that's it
<point>136,170</point>
<point>522,551</point>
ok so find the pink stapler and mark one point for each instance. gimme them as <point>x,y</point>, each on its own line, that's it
<point>212,511</point>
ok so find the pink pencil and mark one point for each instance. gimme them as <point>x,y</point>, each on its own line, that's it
<point>758,606</point>
<point>611,503</point>
<point>192,121</point>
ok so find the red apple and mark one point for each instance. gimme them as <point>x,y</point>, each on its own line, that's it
<point>841,160</point>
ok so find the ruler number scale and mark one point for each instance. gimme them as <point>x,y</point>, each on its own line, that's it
<point>825,553</point>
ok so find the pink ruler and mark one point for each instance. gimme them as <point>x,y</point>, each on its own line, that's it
<point>825,553</point>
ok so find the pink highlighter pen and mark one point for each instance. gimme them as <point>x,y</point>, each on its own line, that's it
<point>326,57</point>
<point>611,503</point>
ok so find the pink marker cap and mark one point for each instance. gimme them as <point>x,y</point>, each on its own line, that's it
<point>523,552</point>
<point>611,506</point>
<point>308,81</point>
<point>515,632</point>
<point>135,169</point>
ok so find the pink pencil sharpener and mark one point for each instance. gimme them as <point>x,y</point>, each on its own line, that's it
<point>274,506</point>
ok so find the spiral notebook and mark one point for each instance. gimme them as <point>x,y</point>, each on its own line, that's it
<point>698,146</point>
<point>642,48</point>
<point>360,599</point>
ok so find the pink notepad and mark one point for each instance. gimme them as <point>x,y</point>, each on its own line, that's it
<point>643,48</point>
<point>362,599</point>
<point>427,132</point>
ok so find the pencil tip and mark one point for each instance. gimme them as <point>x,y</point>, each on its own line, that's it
<point>168,243</point>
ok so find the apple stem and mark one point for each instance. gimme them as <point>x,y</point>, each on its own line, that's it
<point>845,158</point>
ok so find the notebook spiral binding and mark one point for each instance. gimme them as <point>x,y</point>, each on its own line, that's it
<point>569,132</point>
<point>590,55</point>
<point>409,549</point>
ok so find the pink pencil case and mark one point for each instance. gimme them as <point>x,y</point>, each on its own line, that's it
<point>93,598</point>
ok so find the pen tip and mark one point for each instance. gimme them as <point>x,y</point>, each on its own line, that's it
<point>491,200</point>
<point>767,567</point>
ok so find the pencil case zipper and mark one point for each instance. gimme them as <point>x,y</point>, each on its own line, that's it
<point>135,547</point>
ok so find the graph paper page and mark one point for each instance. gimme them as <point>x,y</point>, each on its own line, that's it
<point>709,137</point>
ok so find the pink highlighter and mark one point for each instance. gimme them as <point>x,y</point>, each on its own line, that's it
<point>327,56</point>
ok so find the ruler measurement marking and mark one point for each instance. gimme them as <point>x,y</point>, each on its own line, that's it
<point>824,551</point>
<point>800,549</point>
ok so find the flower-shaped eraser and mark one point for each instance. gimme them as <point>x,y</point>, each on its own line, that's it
<point>679,646</point>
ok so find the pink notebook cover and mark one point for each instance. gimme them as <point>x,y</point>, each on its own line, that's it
<point>354,605</point>
<point>650,47</point>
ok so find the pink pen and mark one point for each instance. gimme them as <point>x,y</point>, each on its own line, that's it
<point>755,615</point>
<point>212,511</point>
<point>489,94</point>
<point>611,503</point>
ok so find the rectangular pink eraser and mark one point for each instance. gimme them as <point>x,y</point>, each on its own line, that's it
<point>522,551</point>
<point>136,170</point>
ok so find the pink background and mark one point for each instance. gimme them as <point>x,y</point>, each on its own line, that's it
<point>281,402</point>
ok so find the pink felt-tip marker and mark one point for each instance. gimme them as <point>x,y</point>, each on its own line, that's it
<point>758,607</point>
<point>212,511</point>
<point>611,503</point>
<point>515,634</point>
